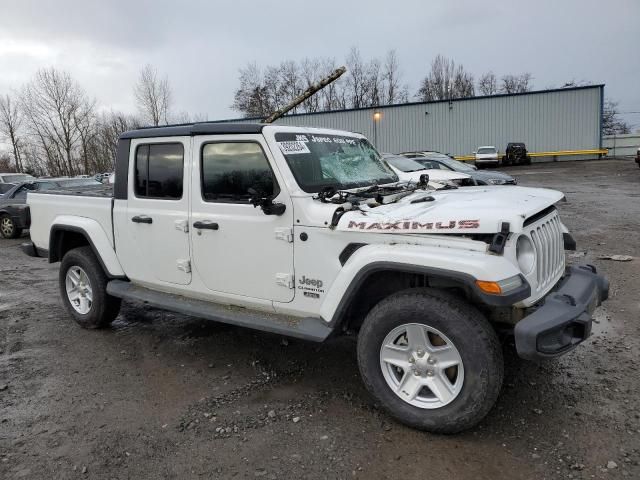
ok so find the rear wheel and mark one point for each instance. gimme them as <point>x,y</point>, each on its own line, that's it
<point>432,360</point>
<point>83,287</point>
<point>8,228</point>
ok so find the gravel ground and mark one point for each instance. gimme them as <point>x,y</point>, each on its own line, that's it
<point>161,395</point>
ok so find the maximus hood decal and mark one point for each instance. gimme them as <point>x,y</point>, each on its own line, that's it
<point>466,210</point>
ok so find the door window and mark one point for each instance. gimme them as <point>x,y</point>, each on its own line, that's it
<point>230,169</point>
<point>159,171</point>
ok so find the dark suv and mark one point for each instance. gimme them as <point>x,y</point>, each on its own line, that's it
<point>516,154</point>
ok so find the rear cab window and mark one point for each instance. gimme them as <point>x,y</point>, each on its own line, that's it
<point>159,171</point>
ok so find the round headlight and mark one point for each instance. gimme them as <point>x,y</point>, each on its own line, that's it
<point>526,254</point>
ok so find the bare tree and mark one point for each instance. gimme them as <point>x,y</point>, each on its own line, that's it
<point>516,83</point>
<point>310,71</point>
<point>102,146</point>
<point>355,84</point>
<point>333,95</point>
<point>463,83</point>
<point>446,81</point>
<point>291,84</point>
<point>153,96</point>
<point>251,97</point>
<point>488,84</point>
<point>54,105</point>
<point>6,163</point>
<point>10,127</point>
<point>612,124</point>
<point>394,91</point>
<point>366,83</point>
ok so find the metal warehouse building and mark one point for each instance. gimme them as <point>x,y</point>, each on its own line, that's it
<point>567,119</point>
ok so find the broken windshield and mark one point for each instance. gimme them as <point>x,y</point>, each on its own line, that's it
<point>341,162</point>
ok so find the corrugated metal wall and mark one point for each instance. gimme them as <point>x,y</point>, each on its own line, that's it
<point>621,145</point>
<point>567,119</point>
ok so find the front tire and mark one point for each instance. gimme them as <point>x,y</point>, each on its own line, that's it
<point>8,228</point>
<point>432,360</point>
<point>83,288</point>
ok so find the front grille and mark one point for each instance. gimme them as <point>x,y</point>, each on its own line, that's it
<point>549,245</point>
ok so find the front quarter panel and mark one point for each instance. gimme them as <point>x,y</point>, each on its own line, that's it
<point>460,263</point>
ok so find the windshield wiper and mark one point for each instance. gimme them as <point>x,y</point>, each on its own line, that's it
<point>378,193</point>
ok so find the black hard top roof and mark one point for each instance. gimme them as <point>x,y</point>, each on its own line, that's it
<point>188,129</point>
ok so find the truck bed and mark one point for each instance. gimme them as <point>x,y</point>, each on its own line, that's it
<point>88,207</point>
<point>103,191</point>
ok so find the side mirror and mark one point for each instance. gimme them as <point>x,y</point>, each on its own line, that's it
<point>474,152</point>
<point>259,199</point>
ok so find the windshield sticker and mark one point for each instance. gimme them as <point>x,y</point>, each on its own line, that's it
<point>414,226</point>
<point>293,147</point>
<point>341,140</point>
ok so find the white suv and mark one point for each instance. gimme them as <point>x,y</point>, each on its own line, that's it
<point>487,156</point>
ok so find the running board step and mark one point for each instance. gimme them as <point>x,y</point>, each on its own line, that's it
<point>312,329</point>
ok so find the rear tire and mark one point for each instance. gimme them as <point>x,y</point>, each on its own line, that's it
<point>447,383</point>
<point>83,288</point>
<point>8,227</point>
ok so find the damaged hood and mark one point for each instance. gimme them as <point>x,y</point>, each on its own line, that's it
<point>468,210</point>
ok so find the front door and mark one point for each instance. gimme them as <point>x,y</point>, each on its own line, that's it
<point>237,248</point>
<point>157,227</point>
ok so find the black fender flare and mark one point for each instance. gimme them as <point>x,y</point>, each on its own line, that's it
<point>463,280</point>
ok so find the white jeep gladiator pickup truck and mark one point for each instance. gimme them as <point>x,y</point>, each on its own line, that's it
<point>308,233</point>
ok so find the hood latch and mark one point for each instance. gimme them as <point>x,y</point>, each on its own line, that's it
<point>500,239</point>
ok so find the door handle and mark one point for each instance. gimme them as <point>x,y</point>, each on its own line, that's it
<point>206,225</point>
<point>142,219</point>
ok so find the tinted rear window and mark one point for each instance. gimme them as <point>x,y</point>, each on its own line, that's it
<point>159,170</point>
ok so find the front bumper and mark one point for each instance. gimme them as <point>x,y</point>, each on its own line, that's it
<point>564,320</point>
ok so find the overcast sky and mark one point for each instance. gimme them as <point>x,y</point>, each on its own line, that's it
<point>201,45</point>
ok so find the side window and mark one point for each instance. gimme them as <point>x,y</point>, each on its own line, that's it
<point>230,169</point>
<point>159,170</point>
<point>21,193</point>
<point>430,164</point>
<point>45,186</point>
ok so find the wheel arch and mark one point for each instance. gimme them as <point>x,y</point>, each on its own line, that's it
<point>64,237</point>
<point>381,279</point>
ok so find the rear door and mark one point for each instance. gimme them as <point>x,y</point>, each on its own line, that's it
<point>237,248</point>
<point>153,239</point>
